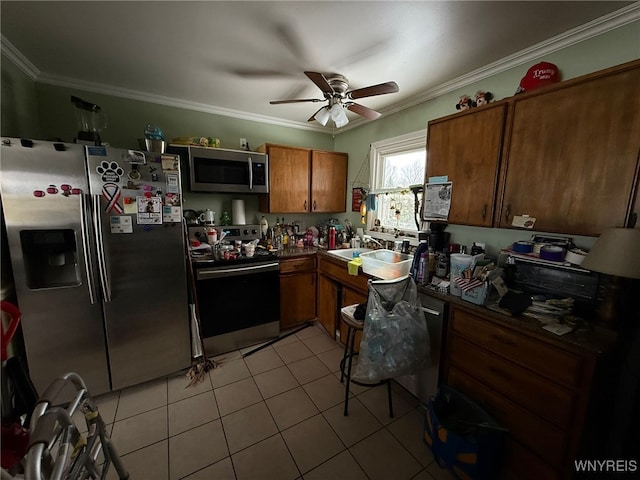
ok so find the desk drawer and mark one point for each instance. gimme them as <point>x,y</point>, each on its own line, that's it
<point>553,363</point>
<point>542,438</point>
<point>547,400</point>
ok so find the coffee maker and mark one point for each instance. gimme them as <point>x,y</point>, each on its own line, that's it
<point>437,238</point>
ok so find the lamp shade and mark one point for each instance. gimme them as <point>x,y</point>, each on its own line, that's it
<point>323,115</point>
<point>616,252</point>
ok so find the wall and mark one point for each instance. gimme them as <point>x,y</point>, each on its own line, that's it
<point>18,100</point>
<point>609,49</point>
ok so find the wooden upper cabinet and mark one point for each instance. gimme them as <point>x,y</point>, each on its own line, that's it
<point>571,159</point>
<point>328,181</point>
<point>466,147</point>
<point>304,181</point>
<point>289,173</point>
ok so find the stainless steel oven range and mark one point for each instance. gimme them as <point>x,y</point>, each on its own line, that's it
<point>238,298</point>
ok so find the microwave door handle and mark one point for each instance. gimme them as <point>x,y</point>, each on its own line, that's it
<point>250,174</point>
<point>102,264</point>
<point>88,262</point>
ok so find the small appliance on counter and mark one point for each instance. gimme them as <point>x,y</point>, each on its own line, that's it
<point>91,121</point>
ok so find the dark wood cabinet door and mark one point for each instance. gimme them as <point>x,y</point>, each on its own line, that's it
<point>289,173</point>
<point>297,299</point>
<point>572,156</point>
<point>328,181</point>
<point>327,304</point>
<point>466,147</point>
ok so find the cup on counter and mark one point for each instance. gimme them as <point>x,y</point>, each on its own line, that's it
<point>249,249</point>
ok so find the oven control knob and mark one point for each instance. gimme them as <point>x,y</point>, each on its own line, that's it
<point>245,231</point>
<point>254,231</point>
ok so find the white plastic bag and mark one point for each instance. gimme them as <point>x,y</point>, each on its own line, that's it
<point>395,339</point>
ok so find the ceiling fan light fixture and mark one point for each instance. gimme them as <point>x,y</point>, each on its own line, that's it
<point>339,115</point>
<point>322,116</point>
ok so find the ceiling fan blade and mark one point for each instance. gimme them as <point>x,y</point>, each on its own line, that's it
<point>380,89</point>
<point>296,100</point>
<point>363,111</point>
<point>320,81</point>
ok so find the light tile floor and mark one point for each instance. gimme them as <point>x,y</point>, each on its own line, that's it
<point>276,414</point>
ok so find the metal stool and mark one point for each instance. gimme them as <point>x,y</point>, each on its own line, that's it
<point>353,327</point>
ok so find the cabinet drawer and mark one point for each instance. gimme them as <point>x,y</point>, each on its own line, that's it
<point>298,264</point>
<point>555,364</point>
<point>542,438</point>
<point>536,394</point>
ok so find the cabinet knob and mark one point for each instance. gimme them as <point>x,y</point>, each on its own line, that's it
<point>484,210</point>
<point>314,205</point>
<point>305,205</point>
<point>507,212</point>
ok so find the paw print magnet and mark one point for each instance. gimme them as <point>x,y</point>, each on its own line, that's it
<point>110,171</point>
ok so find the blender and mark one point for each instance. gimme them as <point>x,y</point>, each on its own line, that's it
<point>91,120</point>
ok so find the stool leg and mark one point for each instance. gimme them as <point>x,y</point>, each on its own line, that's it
<point>344,356</point>
<point>390,399</point>
<point>352,337</point>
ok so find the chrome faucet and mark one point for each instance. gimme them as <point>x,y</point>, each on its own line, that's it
<point>369,238</point>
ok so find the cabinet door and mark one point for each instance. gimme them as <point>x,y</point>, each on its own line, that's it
<point>328,181</point>
<point>289,173</point>
<point>467,148</point>
<point>573,154</point>
<point>327,304</point>
<point>297,299</point>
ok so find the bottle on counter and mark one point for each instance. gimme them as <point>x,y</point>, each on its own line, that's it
<point>431,269</point>
<point>264,227</point>
<point>421,268</point>
<point>332,238</point>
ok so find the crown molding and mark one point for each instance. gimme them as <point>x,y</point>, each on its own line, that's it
<point>619,18</point>
<point>18,59</point>
<point>604,24</point>
<point>169,101</point>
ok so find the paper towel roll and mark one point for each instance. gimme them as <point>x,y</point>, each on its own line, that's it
<point>237,212</point>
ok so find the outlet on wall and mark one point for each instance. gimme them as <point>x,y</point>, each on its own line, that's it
<point>243,143</point>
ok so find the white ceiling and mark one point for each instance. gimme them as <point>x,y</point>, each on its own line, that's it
<point>233,57</point>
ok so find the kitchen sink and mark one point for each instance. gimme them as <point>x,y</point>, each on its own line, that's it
<point>347,253</point>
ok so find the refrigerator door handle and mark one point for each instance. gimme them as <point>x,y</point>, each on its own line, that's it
<point>88,262</point>
<point>102,264</point>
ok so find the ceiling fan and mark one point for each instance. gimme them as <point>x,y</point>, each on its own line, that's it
<point>335,90</point>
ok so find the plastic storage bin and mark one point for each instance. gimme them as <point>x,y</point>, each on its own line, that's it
<point>386,264</point>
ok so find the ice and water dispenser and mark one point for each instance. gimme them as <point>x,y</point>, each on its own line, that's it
<point>50,258</point>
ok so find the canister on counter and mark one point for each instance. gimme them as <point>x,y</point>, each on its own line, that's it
<point>432,263</point>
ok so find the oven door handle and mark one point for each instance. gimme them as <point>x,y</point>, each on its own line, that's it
<point>207,274</point>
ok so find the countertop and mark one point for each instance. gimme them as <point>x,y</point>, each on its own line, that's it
<point>585,338</point>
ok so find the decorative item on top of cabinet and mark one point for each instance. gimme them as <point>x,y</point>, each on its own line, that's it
<point>466,147</point>
<point>302,180</point>
<point>571,154</point>
<point>297,290</point>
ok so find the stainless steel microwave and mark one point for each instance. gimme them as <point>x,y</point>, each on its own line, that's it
<point>228,171</point>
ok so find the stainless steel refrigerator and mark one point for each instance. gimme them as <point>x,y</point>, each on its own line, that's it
<point>97,248</point>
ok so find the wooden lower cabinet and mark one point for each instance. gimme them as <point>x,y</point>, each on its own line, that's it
<point>297,290</point>
<point>336,289</point>
<point>537,388</point>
